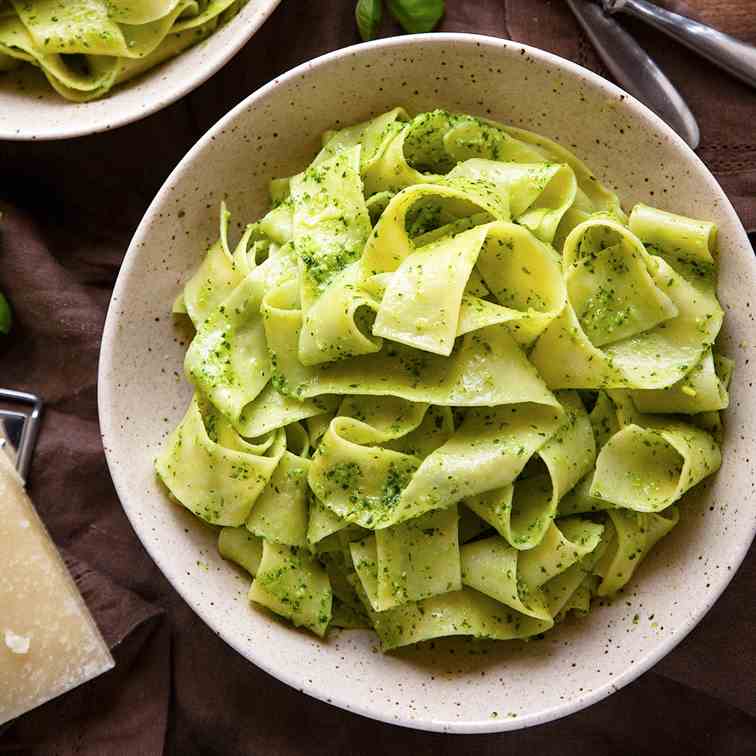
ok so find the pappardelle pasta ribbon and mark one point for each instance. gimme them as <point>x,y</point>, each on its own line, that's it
<point>446,386</point>
<point>86,47</point>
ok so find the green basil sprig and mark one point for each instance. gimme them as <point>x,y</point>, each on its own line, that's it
<point>6,318</point>
<point>417,16</point>
<point>368,14</point>
<point>414,16</point>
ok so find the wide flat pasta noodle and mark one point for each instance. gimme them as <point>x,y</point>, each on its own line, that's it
<point>213,10</point>
<point>377,487</point>
<point>515,578</point>
<point>330,228</point>
<point>293,584</point>
<point>390,243</point>
<point>139,11</point>
<point>228,357</point>
<point>674,234</point>
<point>354,477</point>
<point>486,368</point>
<point>539,193</point>
<point>464,612</point>
<point>280,512</point>
<point>242,547</point>
<point>664,343</point>
<point>271,409</point>
<point>86,26</point>
<point>648,469</point>
<point>322,523</point>
<point>426,303</point>
<point>523,510</point>
<point>216,277</point>
<point>635,534</point>
<point>85,47</point>
<point>574,588</point>
<point>704,389</point>
<point>373,136</point>
<point>410,561</point>
<point>217,482</point>
<point>445,387</point>
<point>645,462</point>
<point>87,82</point>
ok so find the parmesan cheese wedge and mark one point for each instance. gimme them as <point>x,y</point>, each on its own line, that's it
<point>49,642</point>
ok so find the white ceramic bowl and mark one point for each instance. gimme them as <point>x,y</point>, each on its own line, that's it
<point>275,132</point>
<point>31,109</point>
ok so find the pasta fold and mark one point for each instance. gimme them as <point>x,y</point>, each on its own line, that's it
<point>85,47</point>
<point>446,386</point>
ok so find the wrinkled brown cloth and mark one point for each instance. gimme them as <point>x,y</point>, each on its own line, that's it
<point>177,689</point>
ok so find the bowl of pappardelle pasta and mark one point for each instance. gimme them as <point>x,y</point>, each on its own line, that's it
<point>83,66</point>
<point>425,383</point>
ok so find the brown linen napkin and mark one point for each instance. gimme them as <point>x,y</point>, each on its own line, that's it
<point>71,210</point>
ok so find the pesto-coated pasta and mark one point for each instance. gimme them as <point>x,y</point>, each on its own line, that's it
<point>446,386</point>
<point>86,47</point>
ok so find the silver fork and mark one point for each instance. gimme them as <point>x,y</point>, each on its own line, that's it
<point>736,57</point>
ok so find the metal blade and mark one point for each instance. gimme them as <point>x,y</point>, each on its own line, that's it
<point>18,430</point>
<point>634,70</point>
<point>11,430</point>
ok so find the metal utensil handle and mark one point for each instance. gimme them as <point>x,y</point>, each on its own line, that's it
<point>634,70</point>
<point>736,57</point>
<point>31,427</point>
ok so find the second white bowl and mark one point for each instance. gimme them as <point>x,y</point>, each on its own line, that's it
<point>30,109</point>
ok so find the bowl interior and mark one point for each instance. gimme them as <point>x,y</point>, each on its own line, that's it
<point>31,109</point>
<point>460,686</point>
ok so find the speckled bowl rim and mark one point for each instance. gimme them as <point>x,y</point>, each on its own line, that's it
<point>108,425</point>
<point>167,95</point>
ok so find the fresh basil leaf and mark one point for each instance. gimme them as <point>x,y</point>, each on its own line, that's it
<point>368,14</point>
<point>417,16</point>
<point>6,318</point>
